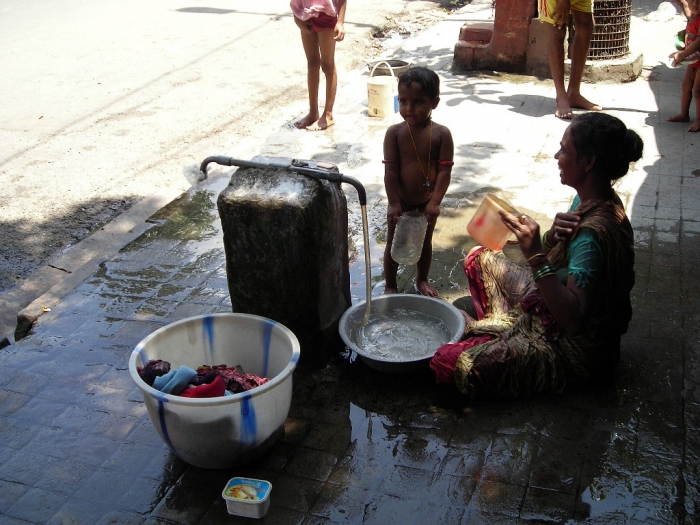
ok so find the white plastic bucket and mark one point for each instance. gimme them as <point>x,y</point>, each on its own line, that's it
<point>382,93</point>
<point>221,432</point>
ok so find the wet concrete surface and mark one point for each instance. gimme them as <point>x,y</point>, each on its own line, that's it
<point>360,446</point>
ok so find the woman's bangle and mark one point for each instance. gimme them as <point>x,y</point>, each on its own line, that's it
<point>535,257</point>
<point>546,245</point>
<point>544,271</point>
<point>539,277</point>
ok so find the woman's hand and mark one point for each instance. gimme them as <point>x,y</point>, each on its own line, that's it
<point>569,304</point>
<point>565,226</point>
<point>526,230</point>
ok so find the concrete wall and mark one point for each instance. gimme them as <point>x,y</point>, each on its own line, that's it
<point>286,244</point>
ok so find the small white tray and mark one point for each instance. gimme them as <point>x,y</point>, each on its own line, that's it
<point>247,497</point>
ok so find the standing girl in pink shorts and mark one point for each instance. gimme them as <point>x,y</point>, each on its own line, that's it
<point>322,25</point>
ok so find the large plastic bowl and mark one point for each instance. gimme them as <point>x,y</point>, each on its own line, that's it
<point>438,309</point>
<point>221,432</point>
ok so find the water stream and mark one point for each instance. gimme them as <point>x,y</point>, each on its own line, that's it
<point>368,268</point>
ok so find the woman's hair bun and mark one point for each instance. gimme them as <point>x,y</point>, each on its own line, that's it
<point>634,146</point>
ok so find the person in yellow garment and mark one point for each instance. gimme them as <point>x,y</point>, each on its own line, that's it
<point>556,13</point>
<point>556,323</point>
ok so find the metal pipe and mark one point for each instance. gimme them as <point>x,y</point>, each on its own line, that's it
<point>296,166</point>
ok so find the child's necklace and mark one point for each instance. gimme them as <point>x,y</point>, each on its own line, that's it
<point>430,147</point>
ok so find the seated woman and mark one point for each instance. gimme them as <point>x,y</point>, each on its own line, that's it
<point>556,323</point>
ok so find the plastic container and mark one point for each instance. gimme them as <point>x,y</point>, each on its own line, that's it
<point>221,432</point>
<point>382,93</point>
<point>486,227</point>
<point>387,67</point>
<point>247,497</point>
<point>409,237</point>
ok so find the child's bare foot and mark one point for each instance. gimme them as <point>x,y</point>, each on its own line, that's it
<point>563,109</point>
<point>679,118</point>
<point>306,121</point>
<point>695,126</point>
<point>389,291</point>
<point>579,102</point>
<point>427,289</point>
<point>324,122</point>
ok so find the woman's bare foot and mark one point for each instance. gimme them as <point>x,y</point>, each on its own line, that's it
<point>427,289</point>
<point>579,102</point>
<point>695,126</point>
<point>679,118</point>
<point>324,122</point>
<point>306,121</point>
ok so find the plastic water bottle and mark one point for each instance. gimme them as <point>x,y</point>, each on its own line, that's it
<point>409,237</point>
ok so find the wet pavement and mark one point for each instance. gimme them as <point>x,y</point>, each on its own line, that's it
<point>77,446</point>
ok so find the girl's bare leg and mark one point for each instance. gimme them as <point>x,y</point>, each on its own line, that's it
<point>686,95</point>
<point>695,126</point>
<point>423,268</point>
<point>326,43</point>
<point>310,42</point>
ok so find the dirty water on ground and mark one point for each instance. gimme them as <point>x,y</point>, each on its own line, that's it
<point>359,442</point>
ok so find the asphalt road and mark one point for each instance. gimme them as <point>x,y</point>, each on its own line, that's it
<point>104,103</point>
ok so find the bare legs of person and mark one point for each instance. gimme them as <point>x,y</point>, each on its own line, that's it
<point>423,286</point>
<point>319,48</point>
<point>690,89</point>
<point>391,267</point>
<point>571,97</point>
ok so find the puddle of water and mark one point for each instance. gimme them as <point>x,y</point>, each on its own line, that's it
<point>190,217</point>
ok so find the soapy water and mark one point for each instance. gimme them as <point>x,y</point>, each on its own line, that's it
<point>400,335</point>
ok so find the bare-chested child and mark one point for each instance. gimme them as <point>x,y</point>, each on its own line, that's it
<point>690,87</point>
<point>418,165</point>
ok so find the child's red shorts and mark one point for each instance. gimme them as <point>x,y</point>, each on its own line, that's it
<point>322,21</point>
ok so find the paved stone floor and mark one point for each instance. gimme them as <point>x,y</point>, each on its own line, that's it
<point>77,446</point>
